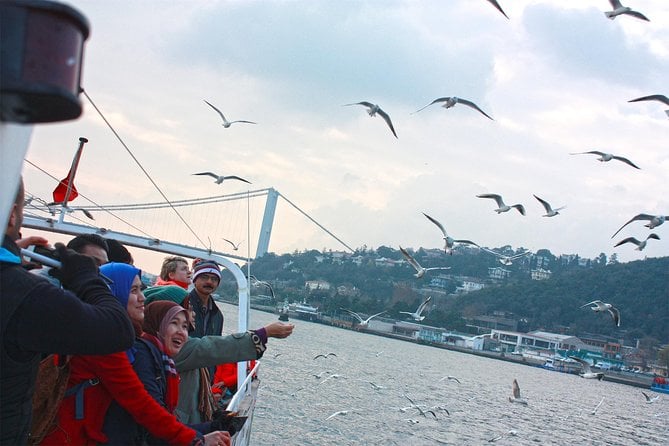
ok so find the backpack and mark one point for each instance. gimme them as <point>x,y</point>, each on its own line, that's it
<point>50,387</point>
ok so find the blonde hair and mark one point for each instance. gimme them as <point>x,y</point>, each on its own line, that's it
<point>170,265</point>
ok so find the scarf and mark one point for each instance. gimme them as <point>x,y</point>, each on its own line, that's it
<point>171,376</point>
<point>205,396</point>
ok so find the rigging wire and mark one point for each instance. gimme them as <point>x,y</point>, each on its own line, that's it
<point>142,167</point>
<point>97,206</point>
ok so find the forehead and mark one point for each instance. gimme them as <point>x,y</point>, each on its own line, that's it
<point>94,251</point>
<point>207,276</point>
<point>181,264</point>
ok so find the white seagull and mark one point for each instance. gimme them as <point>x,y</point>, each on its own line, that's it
<point>226,123</point>
<point>420,410</point>
<point>340,412</point>
<point>449,241</point>
<point>653,221</point>
<point>599,306</point>
<point>650,400</point>
<point>640,244</point>
<point>653,97</point>
<point>501,206</point>
<point>322,355</point>
<point>420,271</point>
<point>450,378</point>
<point>363,322</point>
<point>373,109</point>
<point>594,411</point>
<point>499,8</point>
<point>603,156</point>
<point>506,260</point>
<point>255,281</point>
<point>587,371</point>
<point>235,247</point>
<point>417,314</point>
<point>450,102</point>
<point>511,433</point>
<point>515,397</point>
<point>619,9</point>
<point>220,178</point>
<point>550,212</point>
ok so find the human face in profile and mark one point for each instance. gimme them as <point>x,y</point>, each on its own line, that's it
<point>135,307</point>
<point>181,274</point>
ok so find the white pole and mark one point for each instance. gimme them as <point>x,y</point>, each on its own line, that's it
<point>14,142</point>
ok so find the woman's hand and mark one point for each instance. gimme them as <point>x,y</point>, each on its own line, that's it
<point>218,438</point>
<point>31,240</point>
<point>279,330</point>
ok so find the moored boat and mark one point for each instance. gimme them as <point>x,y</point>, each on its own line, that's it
<point>660,384</point>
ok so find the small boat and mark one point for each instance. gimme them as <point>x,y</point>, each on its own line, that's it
<point>660,384</point>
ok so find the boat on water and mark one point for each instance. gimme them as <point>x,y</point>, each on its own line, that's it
<point>660,384</point>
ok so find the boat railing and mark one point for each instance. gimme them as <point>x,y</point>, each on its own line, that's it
<point>242,390</point>
<point>243,402</point>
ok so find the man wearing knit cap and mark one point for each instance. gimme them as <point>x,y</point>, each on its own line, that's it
<point>208,318</point>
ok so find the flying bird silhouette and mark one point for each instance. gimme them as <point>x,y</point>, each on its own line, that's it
<point>416,315</point>
<point>653,221</point>
<point>420,271</point>
<point>450,102</point>
<point>607,157</point>
<point>235,247</point>
<point>640,244</point>
<point>498,7</point>
<point>599,306</point>
<point>550,212</point>
<point>263,283</point>
<point>227,123</point>
<point>449,242</point>
<point>324,355</point>
<point>373,110</point>
<point>587,371</point>
<point>654,97</point>
<point>363,322</point>
<point>504,259</point>
<point>501,206</point>
<point>594,411</point>
<point>420,410</point>
<point>340,412</point>
<point>619,9</point>
<point>649,399</point>
<point>220,178</point>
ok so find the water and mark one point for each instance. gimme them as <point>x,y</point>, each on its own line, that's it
<point>293,404</point>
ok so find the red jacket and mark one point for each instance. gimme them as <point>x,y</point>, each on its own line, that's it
<point>227,374</point>
<point>117,378</point>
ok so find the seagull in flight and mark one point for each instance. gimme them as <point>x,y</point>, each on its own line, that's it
<point>653,221</point>
<point>511,433</point>
<point>325,355</point>
<point>515,397</point>
<point>420,410</point>
<point>599,306</point>
<point>619,9</point>
<point>235,247</point>
<point>373,110</point>
<point>263,283</point>
<point>650,400</point>
<point>640,244</point>
<point>594,411</point>
<point>450,102</point>
<point>416,315</point>
<point>227,123</point>
<point>506,260</point>
<point>220,178</point>
<point>499,8</point>
<point>608,157</point>
<point>587,371</point>
<point>450,378</point>
<point>501,206</point>
<point>420,271</point>
<point>340,412</point>
<point>363,322</point>
<point>653,97</point>
<point>550,212</point>
<point>449,241</point>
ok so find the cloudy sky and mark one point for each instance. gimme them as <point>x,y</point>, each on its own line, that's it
<point>556,78</point>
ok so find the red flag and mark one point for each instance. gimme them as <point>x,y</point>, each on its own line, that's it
<point>60,193</point>
<point>60,190</point>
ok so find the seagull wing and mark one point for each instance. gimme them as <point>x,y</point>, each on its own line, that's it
<point>433,102</point>
<point>386,118</point>
<point>374,315</point>
<point>545,204</point>
<point>235,177</point>
<point>638,15</point>
<point>594,302</point>
<point>468,242</point>
<point>516,389</point>
<point>615,4</point>
<point>492,252</point>
<point>496,197</point>
<point>354,314</point>
<point>245,122</point>
<point>217,111</point>
<point>627,240</point>
<point>410,259</point>
<point>441,228</point>
<point>87,214</point>
<point>365,103</point>
<point>652,97</point>
<point>593,152</point>
<point>625,160</point>
<point>211,174</point>
<point>517,256</point>
<point>498,7</point>
<point>422,306</point>
<point>615,314</point>
<point>636,217</point>
<point>585,364</point>
<point>233,245</point>
<point>474,106</point>
<point>644,394</point>
<point>520,208</point>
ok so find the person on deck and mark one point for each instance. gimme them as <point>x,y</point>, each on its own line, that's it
<point>174,271</point>
<point>38,318</point>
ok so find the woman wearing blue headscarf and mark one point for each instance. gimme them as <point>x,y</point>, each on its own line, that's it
<point>106,402</point>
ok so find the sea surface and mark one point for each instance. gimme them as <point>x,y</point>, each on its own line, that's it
<point>296,396</point>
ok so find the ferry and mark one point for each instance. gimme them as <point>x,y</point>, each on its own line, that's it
<point>660,384</point>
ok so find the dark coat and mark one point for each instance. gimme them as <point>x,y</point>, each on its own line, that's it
<point>39,318</point>
<point>207,323</point>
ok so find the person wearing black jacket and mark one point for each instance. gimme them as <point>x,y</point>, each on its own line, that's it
<point>38,318</point>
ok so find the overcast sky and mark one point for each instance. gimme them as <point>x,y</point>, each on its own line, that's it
<point>556,78</point>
